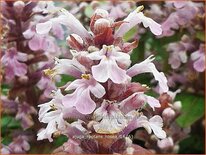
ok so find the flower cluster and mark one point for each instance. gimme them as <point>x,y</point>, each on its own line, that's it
<point>102,101</point>
<point>169,111</point>
<point>184,20</point>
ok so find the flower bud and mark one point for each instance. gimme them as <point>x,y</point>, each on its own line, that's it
<point>23,79</point>
<point>18,6</point>
<point>176,148</point>
<point>168,114</point>
<point>101,25</point>
<point>102,13</point>
<point>165,144</point>
<point>177,105</point>
<point>75,41</point>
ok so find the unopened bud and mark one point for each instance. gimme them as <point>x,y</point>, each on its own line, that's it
<point>101,12</point>
<point>18,6</point>
<point>130,150</point>
<point>177,105</point>
<point>176,148</point>
<point>139,8</point>
<point>23,79</point>
<point>75,41</point>
<point>168,113</point>
<point>101,25</point>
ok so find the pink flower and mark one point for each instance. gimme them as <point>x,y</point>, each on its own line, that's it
<point>69,21</point>
<point>20,145</point>
<point>154,124</point>
<point>52,114</point>
<point>108,67</point>
<point>11,60</point>
<point>110,119</point>
<point>24,115</point>
<point>135,18</point>
<point>199,59</point>
<point>83,87</point>
<point>66,66</point>
<point>137,100</point>
<point>148,67</point>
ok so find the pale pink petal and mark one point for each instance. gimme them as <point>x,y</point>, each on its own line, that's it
<point>148,67</point>
<point>70,100</point>
<point>28,34</point>
<point>135,101</point>
<point>75,84</point>
<point>156,123</point>
<point>97,90</point>
<point>100,71</point>
<point>44,28</point>
<point>58,31</point>
<point>96,55</point>
<point>148,22</point>
<point>135,18</point>
<point>35,43</point>
<point>73,24</point>
<point>153,102</point>
<point>179,4</point>
<point>199,65</point>
<point>116,74</point>
<point>117,12</point>
<point>142,121</point>
<point>85,104</point>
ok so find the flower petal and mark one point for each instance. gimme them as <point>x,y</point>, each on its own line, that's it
<point>44,28</point>
<point>97,90</point>
<point>156,123</point>
<point>153,102</point>
<point>85,104</point>
<point>100,71</point>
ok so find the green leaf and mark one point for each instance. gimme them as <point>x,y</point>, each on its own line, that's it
<point>60,141</point>
<point>192,109</point>
<point>200,35</point>
<point>64,80</point>
<point>9,122</point>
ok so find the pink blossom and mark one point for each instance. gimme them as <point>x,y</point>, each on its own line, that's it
<point>137,100</point>
<point>154,124</point>
<point>135,18</point>
<point>24,115</point>
<point>12,61</point>
<point>199,59</point>
<point>66,19</point>
<point>108,67</point>
<point>83,87</point>
<point>110,119</point>
<point>148,67</point>
<point>52,114</point>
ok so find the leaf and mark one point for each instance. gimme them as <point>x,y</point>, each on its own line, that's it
<point>200,35</point>
<point>64,80</point>
<point>9,122</point>
<point>192,109</point>
<point>60,141</point>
